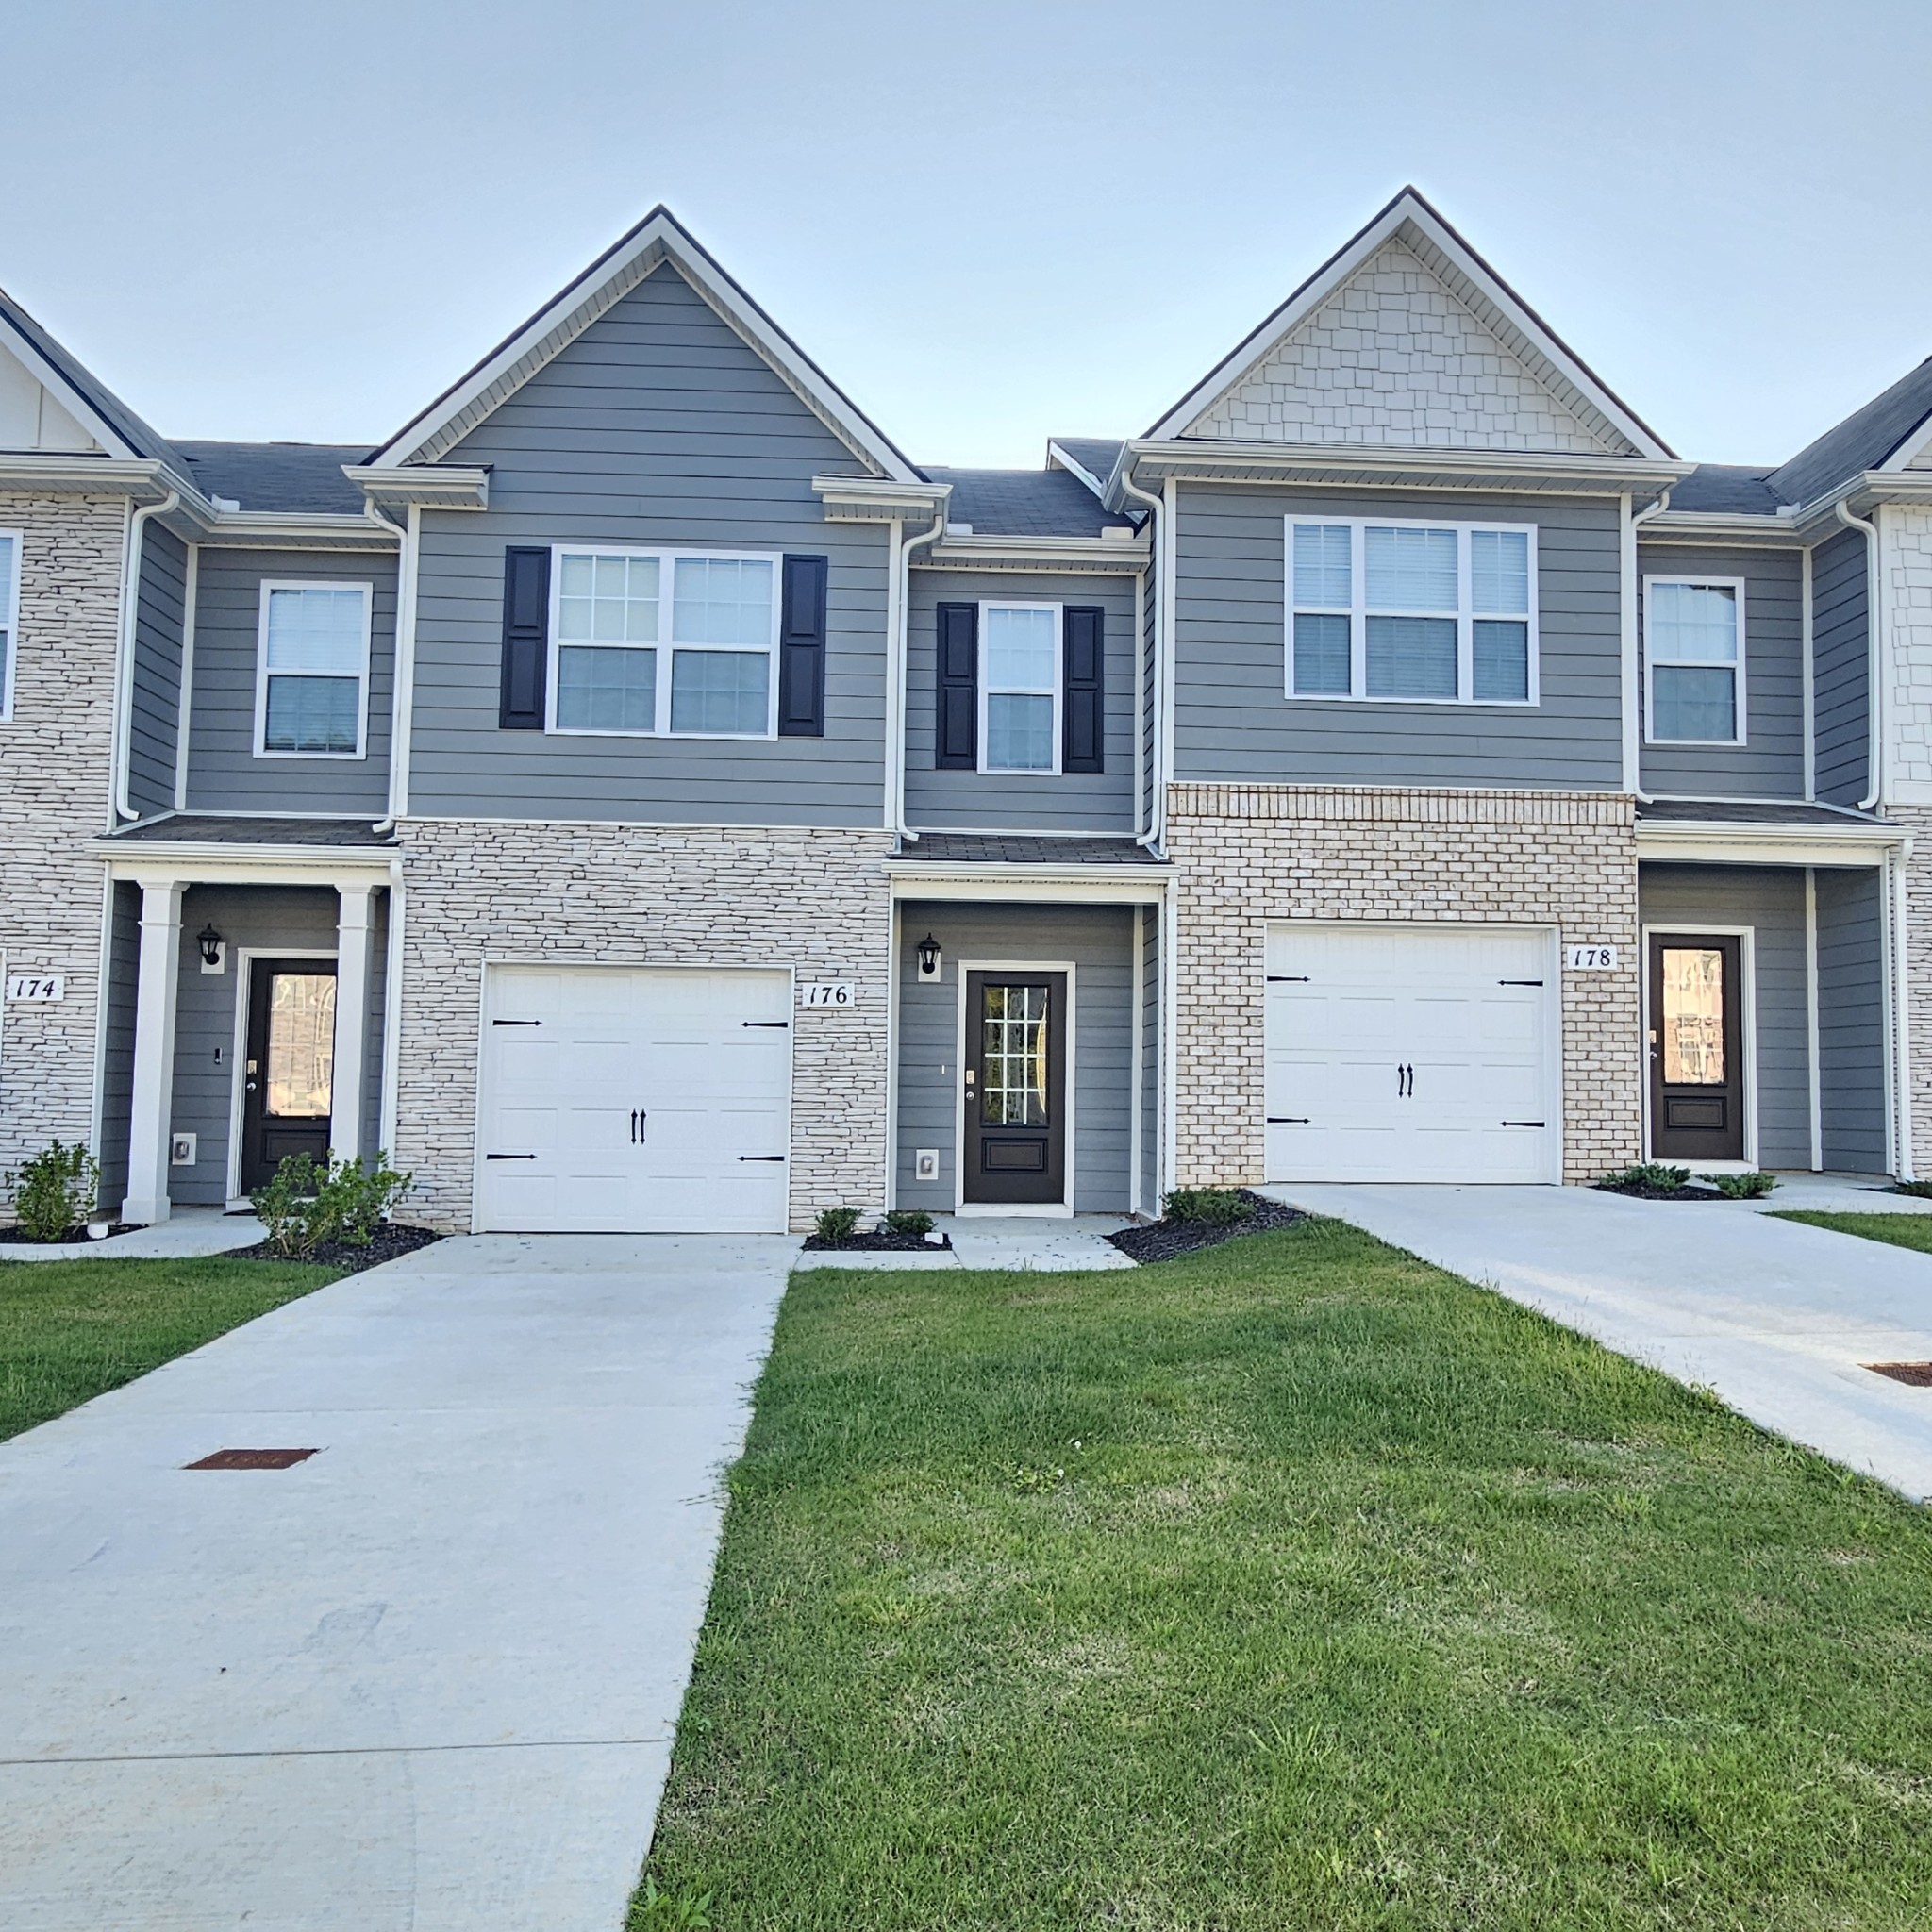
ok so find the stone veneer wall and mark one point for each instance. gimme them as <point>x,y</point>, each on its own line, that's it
<point>813,899</point>
<point>1917,819</point>
<point>57,749</point>
<point>1248,854</point>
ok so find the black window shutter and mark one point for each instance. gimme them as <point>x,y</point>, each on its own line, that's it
<point>956,710</point>
<point>525,638</point>
<point>801,648</point>
<point>1083,679</point>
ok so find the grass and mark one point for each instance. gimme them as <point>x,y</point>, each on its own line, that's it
<point>69,1330</point>
<point>1295,1583</point>
<point>1901,1230</point>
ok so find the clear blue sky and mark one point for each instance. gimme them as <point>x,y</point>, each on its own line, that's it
<point>989,221</point>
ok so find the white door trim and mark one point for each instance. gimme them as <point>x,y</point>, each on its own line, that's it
<point>1747,1049</point>
<point>1041,1209</point>
<point>244,959</point>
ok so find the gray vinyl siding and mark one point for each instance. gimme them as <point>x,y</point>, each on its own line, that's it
<point>224,773</point>
<point>657,426</point>
<point>1771,762</point>
<point>1851,1008</point>
<point>1234,722</point>
<point>263,918</point>
<point>1771,901</point>
<point>117,1070</point>
<point>153,724</point>
<point>1001,801</point>
<point>1099,940</point>
<point>1842,667</point>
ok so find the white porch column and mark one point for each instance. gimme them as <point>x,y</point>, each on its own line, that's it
<point>153,1052</point>
<point>353,938</point>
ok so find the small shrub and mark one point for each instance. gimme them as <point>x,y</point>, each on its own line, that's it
<point>310,1203</point>
<point>1209,1207</point>
<point>1921,1189</point>
<point>906,1221</point>
<point>55,1191</point>
<point>1653,1175</point>
<point>835,1223</point>
<point>1740,1187</point>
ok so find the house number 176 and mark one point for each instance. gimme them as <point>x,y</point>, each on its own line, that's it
<point>826,992</point>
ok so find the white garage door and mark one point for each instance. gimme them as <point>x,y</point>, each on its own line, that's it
<point>634,1100</point>
<point>1399,1055</point>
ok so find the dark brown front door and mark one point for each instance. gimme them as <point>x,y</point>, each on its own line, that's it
<point>1016,1079</point>
<point>291,1067</point>
<point>1696,1041</point>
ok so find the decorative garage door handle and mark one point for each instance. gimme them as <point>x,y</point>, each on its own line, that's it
<point>510,1157</point>
<point>1288,1120</point>
<point>761,1157</point>
<point>637,1118</point>
<point>1405,1082</point>
<point>1519,982</point>
<point>1522,1123</point>
<point>516,1023</point>
<point>1287,979</point>
<point>765,1022</point>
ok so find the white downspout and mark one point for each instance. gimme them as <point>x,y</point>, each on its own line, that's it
<point>402,689</point>
<point>902,570</point>
<point>1875,681</point>
<point>123,681</point>
<point>1632,678</point>
<point>1157,800</point>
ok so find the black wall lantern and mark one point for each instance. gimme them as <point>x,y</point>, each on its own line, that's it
<point>210,941</point>
<point>928,957</point>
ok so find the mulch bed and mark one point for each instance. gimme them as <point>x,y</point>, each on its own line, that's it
<point>1164,1241</point>
<point>1689,1194</point>
<point>9,1236</point>
<point>389,1240</point>
<point>878,1240</point>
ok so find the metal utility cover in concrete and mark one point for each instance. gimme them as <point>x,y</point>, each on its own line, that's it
<point>425,1680</point>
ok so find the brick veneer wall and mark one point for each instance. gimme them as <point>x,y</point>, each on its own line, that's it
<point>812,899</point>
<point>1248,854</point>
<point>57,749</point>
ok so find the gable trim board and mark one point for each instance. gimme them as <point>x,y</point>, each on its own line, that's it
<point>657,240</point>
<point>1409,220</point>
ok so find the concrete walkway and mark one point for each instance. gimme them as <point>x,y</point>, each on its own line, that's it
<point>1776,1317</point>
<point>1021,1242</point>
<point>426,1679</point>
<point>187,1231</point>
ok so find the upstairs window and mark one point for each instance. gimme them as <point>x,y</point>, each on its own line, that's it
<point>1693,656</point>
<point>10,614</point>
<point>311,694</point>
<point>665,642</point>
<point>1020,687</point>
<point>1411,612</point>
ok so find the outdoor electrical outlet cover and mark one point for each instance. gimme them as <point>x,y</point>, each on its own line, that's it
<point>926,1164</point>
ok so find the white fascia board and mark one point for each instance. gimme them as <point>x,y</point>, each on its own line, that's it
<point>291,530</point>
<point>1858,493</point>
<point>1111,885</point>
<point>1409,210</point>
<point>874,500</point>
<point>658,238</point>
<point>1400,466</point>
<point>1915,443</point>
<point>1128,555</point>
<point>434,486</point>
<point>67,395</point>
<point>192,863</point>
<point>1720,526</point>
<point>141,477</point>
<point>1685,841</point>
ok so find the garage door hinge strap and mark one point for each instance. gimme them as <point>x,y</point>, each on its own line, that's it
<point>516,1023</point>
<point>510,1157</point>
<point>1288,1120</point>
<point>1524,1123</point>
<point>1287,978</point>
<point>764,1022</point>
<point>761,1157</point>
<point>1519,982</point>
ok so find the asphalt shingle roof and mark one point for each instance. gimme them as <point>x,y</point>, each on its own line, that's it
<point>301,476</point>
<point>212,830</point>
<point>1096,455</point>
<point>1746,811</point>
<point>1726,487</point>
<point>1024,503</point>
<point>1016,848</point>
<point>1862,442</point>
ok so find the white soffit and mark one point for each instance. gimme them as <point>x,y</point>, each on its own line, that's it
<point>658,239</point>
<point>1412,225</point>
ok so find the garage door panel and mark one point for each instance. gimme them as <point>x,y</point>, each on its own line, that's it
<point>1405,1050</point>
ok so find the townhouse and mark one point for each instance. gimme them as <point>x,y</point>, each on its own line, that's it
<point>639,797</point>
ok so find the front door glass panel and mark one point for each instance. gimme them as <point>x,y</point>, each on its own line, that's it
<point>301,1045</point>
<point>1015,1056</point>
<point>1693,1016</point>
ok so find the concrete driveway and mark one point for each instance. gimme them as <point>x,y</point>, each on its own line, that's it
<point>426,1679</point>
<point>1776,1317</point>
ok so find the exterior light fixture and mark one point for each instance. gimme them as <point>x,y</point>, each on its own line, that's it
<point>928,957</point>
<point>210,941</point>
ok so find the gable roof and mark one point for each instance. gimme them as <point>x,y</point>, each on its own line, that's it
<point>1024,503</point>
<point>1410,221</point>
<point>83,395</point>
<point>1885,434</point>
<point>300,476</point>
<point>655,239</point>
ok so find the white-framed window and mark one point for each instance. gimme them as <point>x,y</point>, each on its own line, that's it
<point>9,615</point>
<point>311,679</point>
<point>1020,686</point>
<point>679,644</point>
<point>1391,610</point>
<point>1694,661</point>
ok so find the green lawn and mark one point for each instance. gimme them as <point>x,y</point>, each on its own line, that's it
<point>1297,1584</point>
<point>70,1329</point>
<point>1901,1230</point>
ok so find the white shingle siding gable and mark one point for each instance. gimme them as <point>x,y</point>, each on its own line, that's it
<point>1906,548</point>
<point>1393,358</point>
